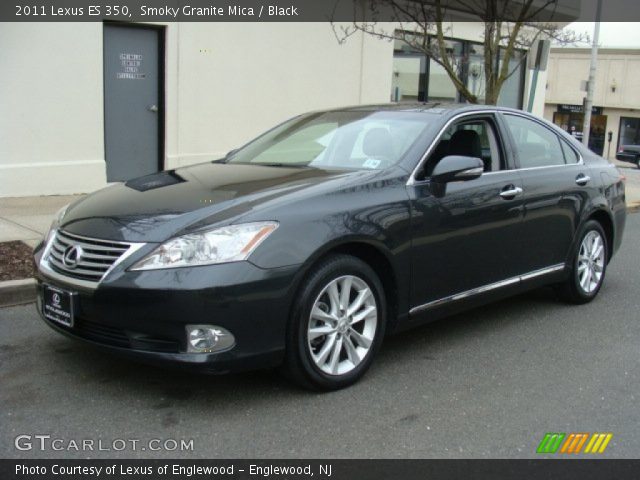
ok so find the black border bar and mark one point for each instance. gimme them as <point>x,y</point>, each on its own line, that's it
<point>583,469</point>
<point>303,10</point>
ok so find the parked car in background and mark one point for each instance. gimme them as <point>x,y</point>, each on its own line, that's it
<point>305,247</point>
<point>629,153</point>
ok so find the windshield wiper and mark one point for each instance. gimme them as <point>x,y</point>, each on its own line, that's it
<point>287,165</point>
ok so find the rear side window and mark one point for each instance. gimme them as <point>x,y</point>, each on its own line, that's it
<point>570,155</point>
<point>537,146</point>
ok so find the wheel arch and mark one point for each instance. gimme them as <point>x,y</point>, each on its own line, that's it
<point>373,254</point>
<point>606,221</point>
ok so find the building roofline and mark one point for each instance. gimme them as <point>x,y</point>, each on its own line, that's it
<point>601,50</point>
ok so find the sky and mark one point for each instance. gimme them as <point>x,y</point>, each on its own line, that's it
<point>612,34</point>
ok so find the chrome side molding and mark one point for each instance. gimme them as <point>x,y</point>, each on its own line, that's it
<point>487,288</point>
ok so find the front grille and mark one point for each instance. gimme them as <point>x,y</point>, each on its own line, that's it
<point>97,256</point>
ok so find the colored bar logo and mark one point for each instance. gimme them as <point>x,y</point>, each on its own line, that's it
<point>574,442</point>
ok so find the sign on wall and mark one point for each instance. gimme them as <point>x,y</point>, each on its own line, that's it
<point>578,109</point>
<point>131,64</point>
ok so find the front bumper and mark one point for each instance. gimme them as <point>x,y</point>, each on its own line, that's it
<point>143,315</point>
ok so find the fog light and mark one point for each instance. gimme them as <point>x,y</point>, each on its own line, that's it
<point>208,338</point>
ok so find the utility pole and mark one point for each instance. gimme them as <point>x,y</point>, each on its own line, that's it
<point>588,101</point>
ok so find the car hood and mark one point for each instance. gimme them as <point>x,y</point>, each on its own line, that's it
<point>156,207</point>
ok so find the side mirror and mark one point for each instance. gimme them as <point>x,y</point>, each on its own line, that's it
<point>456,168</point>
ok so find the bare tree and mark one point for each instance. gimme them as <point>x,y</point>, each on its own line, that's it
<point>510,27</point>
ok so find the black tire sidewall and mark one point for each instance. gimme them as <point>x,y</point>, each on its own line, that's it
<point>321,275</point>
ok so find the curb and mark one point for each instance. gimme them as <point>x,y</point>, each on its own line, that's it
<point>633,208</point>
<point>17,292</point>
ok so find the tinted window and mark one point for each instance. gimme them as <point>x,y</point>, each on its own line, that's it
<point>570,155</point>
<point>471,138</point>
<point>537,146</point>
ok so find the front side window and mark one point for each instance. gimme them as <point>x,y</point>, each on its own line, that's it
<point>469,138</point>
<point>536,145</point>
<point>337,140</point>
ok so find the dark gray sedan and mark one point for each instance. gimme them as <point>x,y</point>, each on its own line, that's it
<point>305,247</point>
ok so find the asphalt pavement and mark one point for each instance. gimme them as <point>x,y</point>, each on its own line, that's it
<point>486,384</point>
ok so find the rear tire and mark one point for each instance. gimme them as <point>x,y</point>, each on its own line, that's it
<point>337,324</point>
<point>588,265</point>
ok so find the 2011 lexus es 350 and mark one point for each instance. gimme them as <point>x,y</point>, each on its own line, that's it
<point>309,244</point>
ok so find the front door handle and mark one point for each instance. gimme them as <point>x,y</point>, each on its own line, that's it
<point>582,179</point>
<point>510,192</point>
<point>153,108</point>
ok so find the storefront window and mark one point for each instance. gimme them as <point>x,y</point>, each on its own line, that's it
<point>571,118</point>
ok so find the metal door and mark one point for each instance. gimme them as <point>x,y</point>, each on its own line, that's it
<point>132,104</point>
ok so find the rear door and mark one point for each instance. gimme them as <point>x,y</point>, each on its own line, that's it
<point>556,186</point>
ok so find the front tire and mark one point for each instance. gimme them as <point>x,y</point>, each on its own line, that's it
<point>588,265</point>
<point>337,324</point>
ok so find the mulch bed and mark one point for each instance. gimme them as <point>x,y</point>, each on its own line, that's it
<point>16,261</point>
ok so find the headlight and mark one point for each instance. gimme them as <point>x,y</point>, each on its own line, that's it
<point>221,245</point>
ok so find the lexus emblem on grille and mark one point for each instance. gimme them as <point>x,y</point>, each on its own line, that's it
<point>72,256</point>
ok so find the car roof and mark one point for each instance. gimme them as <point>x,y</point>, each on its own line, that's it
<point>436,108</point>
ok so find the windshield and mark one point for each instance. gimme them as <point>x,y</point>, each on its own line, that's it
<point>337,140</point>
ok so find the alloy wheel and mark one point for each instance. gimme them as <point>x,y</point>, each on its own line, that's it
<point>591,258</point>
<point>342,325</point>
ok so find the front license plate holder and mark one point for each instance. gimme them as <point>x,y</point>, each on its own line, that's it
<point>58,305</point>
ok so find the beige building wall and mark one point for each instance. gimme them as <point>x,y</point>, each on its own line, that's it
<point>225,83</point>
<point>617,87</point>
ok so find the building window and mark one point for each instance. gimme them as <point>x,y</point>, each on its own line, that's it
<point>512,89</point>
<point>409,74</point>
<point>418,78</point>
<point>440,87</point>
<point>571,118</point>
<point>475,71</point>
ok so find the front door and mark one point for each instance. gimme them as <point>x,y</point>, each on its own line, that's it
<point>132,101</point>
<point>470,237</point>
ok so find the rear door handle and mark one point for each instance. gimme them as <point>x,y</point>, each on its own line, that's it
<point>510,192</point>
<point>582,179</point>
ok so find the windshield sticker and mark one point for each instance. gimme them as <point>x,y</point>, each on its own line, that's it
<point>371,163</point>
